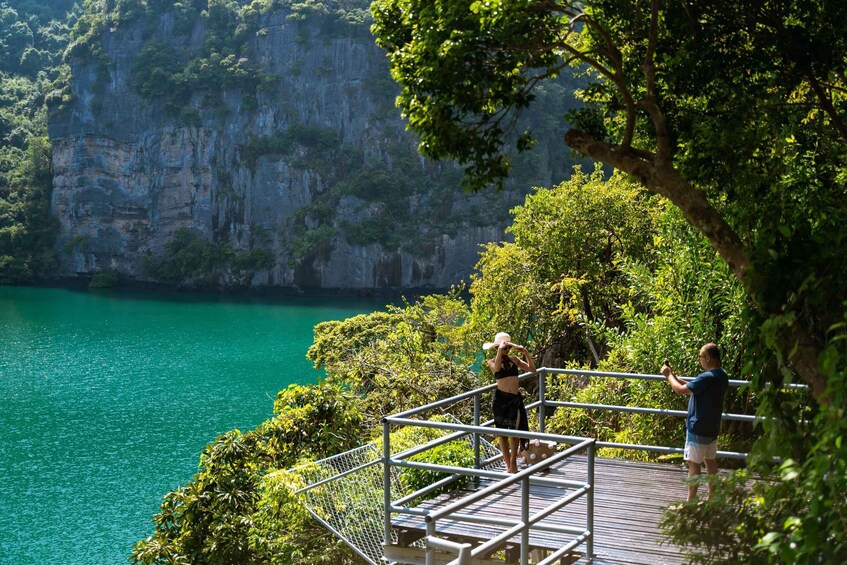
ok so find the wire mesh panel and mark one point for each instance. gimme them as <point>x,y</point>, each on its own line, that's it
<point>345,492</point>
<point>348,497</point>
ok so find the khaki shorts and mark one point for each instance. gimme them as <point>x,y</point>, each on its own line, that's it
<point>697,451</point>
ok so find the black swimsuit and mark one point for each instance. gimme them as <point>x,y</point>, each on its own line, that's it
<point>507,370</point>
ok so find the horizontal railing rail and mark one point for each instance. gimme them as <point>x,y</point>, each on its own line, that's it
<point>648,377</point>
<point>542,404</point>
<point>639,410</point>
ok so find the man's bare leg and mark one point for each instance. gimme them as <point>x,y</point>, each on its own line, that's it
<point>711,469</point>
<point>693,471</point>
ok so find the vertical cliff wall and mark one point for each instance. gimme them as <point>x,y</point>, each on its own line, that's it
<point>288,142</point>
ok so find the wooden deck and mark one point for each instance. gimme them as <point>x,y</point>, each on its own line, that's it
<point>628,501</point>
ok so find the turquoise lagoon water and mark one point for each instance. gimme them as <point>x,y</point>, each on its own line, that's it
<point>107,399</point>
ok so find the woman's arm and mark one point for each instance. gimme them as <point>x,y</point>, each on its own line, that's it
<point>528,364</point>
<point>496,363</point>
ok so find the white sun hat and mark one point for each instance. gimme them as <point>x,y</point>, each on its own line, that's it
<point>498,339</point>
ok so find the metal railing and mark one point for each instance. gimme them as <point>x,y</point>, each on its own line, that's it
<point>481,469</point>
<point>542,404</point>
<point>528,476</point>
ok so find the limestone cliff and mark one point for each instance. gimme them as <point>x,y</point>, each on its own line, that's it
<point>289,142</point>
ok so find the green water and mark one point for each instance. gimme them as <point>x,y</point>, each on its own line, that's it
<point>107,399</point>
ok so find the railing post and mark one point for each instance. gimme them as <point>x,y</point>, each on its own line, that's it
<point>476,418</point>
<point>589,503</point>
<point>430,548</point>
<point>386,480</point>
<point>525,520</point>
<point>477,401</point>
<point>542,398</point>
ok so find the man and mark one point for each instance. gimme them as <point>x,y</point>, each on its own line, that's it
<point>705,406</point>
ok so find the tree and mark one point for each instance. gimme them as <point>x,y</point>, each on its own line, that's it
<point>568,244</point>
<point>768,90</point>
<point>734,111</point>
<point>409,356</point>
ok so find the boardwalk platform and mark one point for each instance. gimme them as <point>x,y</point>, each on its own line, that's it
<point>628,502</point>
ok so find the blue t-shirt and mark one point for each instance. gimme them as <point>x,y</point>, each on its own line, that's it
<point>706,403</point>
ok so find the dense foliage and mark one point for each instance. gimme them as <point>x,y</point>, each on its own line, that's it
<point>403,358</point>
<point>33,35</point>
<point>560,284</point>
<point>26,230</point>
<point>663,274</point>
<point>191,260</point>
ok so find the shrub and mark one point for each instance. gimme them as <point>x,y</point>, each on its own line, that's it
<point>189,258</point>
<point>454,453</point>
<point>107,278</point>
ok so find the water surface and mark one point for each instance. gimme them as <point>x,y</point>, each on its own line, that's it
<point>107,399</point>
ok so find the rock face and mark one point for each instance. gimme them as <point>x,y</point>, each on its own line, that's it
<point>311,162</point>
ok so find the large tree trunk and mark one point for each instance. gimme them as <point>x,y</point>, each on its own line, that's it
<point>663,179</point>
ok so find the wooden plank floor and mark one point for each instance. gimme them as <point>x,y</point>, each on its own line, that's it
<point>628,501</point>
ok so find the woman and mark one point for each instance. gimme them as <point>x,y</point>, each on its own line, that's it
<point>508,406</point>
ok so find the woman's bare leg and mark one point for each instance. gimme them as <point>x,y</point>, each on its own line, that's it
<point>513,444</point>
<point>507,453</point>
<point>515,441</point>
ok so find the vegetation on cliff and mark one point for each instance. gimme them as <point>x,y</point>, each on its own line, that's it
<point>32,35</point>
<point>193,261</point>
<point>172,74</point>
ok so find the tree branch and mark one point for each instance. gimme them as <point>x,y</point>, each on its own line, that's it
<point>833,87</point>
<point>827,106</point>
<point>650,102</point>
<point>591,61</point>
<point>665,180</point>
<point>618,76</point>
